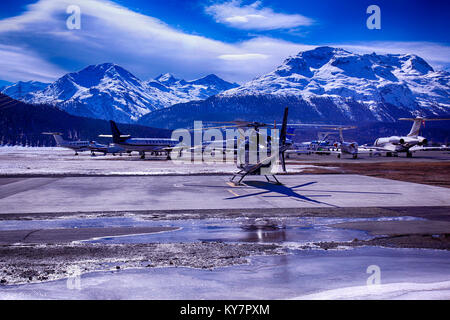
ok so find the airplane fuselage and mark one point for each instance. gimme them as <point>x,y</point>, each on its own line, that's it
<point>147,144</point>
<point>400,143</point>
<point>75,145</point>
<point>348,148</point>
<point>105,149</point>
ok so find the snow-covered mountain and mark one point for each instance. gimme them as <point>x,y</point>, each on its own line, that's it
<point>405,81</point>
<point>327,85</point>
<point>104,91</point>
<point>108,91</point>
<point>20,89</point>
<point>192,90</point>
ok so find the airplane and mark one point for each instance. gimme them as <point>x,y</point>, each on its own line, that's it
<point>395,144</point>
<point>320,146</point>
<point>345,147</point>
<point>324,145</point>
<point>80,146</point>
<point>77,146</point>
<point>141,145</point>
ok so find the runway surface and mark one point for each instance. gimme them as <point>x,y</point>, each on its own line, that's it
<point>42,162</point>
<point>136,193</point>
<point>185,232</point>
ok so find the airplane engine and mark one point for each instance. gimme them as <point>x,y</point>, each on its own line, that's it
<point>410,141</point>
<point>396,140</point>
<point>423,142</point>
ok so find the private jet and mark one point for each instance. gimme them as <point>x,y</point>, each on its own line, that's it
<point>80,146</point>
<point>325,145</point>
<point>344,147</point>
<point>320,146</point>
<point>141,145</point>
<point>77,146</point>
<point>396,144</point>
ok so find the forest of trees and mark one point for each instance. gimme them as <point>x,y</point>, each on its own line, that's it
<point>23,124</point>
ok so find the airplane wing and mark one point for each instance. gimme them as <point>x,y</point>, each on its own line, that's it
<point>415,149</point>
<point>363,149</point>
<point>110,135</point>
<point>97,147</point>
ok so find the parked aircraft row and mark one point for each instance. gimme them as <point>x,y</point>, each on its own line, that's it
<point>80,146</point>
<point>390,146</point>
<point>263,156</point>
<point>326,145</point>
<point>395,144</point>
<point>121,144</point>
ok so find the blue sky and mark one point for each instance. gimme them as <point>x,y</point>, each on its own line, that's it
<point>237,40</point>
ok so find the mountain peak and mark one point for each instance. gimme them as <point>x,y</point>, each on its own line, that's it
<point>94,75</point>
<point>325,50</point>
<point>211,76</point>
<point>404,81</point>
<point>108,91</point>
<point>166,78</point>
<point>302,62</point>
<point>21,89</point>
<point>102,67</point>
<point>416,63</point>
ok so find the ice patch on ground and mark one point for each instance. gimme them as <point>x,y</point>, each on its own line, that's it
<point>413,291</point>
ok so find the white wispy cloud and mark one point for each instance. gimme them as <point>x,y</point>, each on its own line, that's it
<point>244,56</point>
<point>254,16</point>
<point>36,45</point>
<point>142,44</point>
<point>18,63</point>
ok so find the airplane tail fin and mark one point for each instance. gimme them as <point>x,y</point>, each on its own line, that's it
<point>341,135</point>
<point>417,123</point>
<point>414,132</point>
<point>115,132</point>
<point>57,136</point>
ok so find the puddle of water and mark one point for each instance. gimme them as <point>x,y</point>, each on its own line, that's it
<point>232,231</point>
<point>132,221</point>
<point>288,230</point>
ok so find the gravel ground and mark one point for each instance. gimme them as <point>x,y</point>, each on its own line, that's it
<point>435,173</point>
<point>37,263</point>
